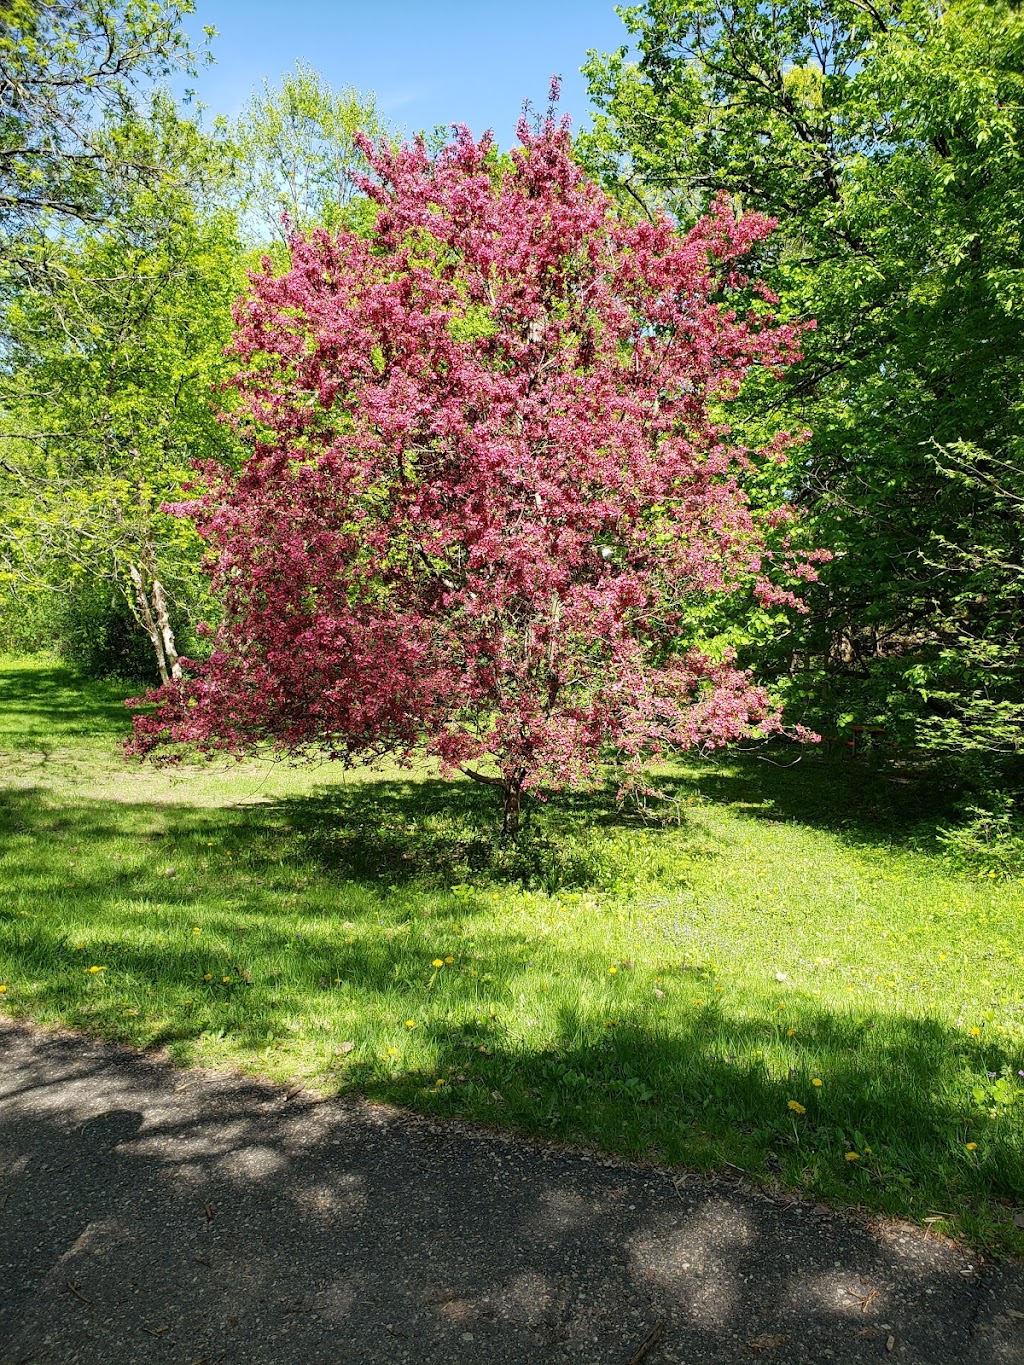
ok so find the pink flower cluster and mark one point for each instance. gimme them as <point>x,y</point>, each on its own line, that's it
<point>487,480</point>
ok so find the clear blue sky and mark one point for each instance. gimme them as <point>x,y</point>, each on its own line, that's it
<point>443,61</point>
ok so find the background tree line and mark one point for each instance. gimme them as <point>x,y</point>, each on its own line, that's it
<point>884,138</point>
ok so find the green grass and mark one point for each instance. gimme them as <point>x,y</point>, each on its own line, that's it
<point>661,991</point>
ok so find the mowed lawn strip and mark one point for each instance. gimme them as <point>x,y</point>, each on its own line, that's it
<point>768,978</point>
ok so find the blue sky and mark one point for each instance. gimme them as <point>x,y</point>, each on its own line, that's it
<point>429,63</point>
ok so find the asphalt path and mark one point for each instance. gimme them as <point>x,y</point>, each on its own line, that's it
<point>150,1214</point>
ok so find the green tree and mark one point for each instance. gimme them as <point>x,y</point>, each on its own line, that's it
<point>297,155</point>
<point>69,70</point>
<point>107,396</point>
<point>885,138</point>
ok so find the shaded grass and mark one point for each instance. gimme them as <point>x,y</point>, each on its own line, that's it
<point>658,991</point>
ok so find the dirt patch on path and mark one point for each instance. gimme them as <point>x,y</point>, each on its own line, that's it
<point>149,1214</point>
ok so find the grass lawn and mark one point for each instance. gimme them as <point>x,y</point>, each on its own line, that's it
<point>769,980</point>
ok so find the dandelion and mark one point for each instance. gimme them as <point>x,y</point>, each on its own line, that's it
<point>437,962</point>
<point>225,978</point>
<point>975,1032</point>
<point>796,1107</point>
<point>817,1081</point>
<point>612,971</point>
<point>79,947</point>
<point>410,1023</point>
<point>95,969</point>
<point>392,1051</point>
<point>208,976</point>
<point>853,1156</point>
<point>2,989</point>
<point>971,1146</point>
<point>196,929</point>
<point>440,1082</point>
<point>791,1033</point>
<point>449,960</point>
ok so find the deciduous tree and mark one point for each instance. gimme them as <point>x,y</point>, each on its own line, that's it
<point>490,482</point>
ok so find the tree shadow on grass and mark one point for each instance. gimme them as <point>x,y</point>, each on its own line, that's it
<point>688,1083</point>
<point>442,832</point>
<point>382,834</point>
<point>862,804</point>
<point>45,703</point>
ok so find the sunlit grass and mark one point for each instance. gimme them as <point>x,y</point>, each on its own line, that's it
<point>673,992</point>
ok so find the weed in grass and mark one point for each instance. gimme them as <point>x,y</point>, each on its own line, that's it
<point>767,979</point>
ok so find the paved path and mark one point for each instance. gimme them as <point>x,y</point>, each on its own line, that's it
<point>152,1215</point>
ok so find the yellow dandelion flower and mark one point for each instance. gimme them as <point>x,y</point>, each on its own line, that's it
<point>612,971</point>
<point>791,1033</point>
<point>853,1156</point>
<point>79,947</point>
<point>95,969</point>
<point>392,1051</point>
<point>817,1081</point>
<point>437,962</point>
<point>975,1032</point>
<point>2,989</point>
<point>449,959</point>
<point>971,1146</point>
<point>410,1023</point>
<point>208,976</point>
<point>225,978</point>
<point>796,1107</point>
<point>196,929</point>
<point>440,1082</point>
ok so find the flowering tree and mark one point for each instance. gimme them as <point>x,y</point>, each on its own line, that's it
<point>487,483</point>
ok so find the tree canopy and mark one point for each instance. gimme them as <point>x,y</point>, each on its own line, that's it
<point>489,482</point>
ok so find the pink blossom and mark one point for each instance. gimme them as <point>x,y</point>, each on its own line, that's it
<point>487,480</point>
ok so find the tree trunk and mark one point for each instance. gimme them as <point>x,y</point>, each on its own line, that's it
<point>512,808</point>
<point>163,622</point>
<point>511,786</point>
<point>156,622</point>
